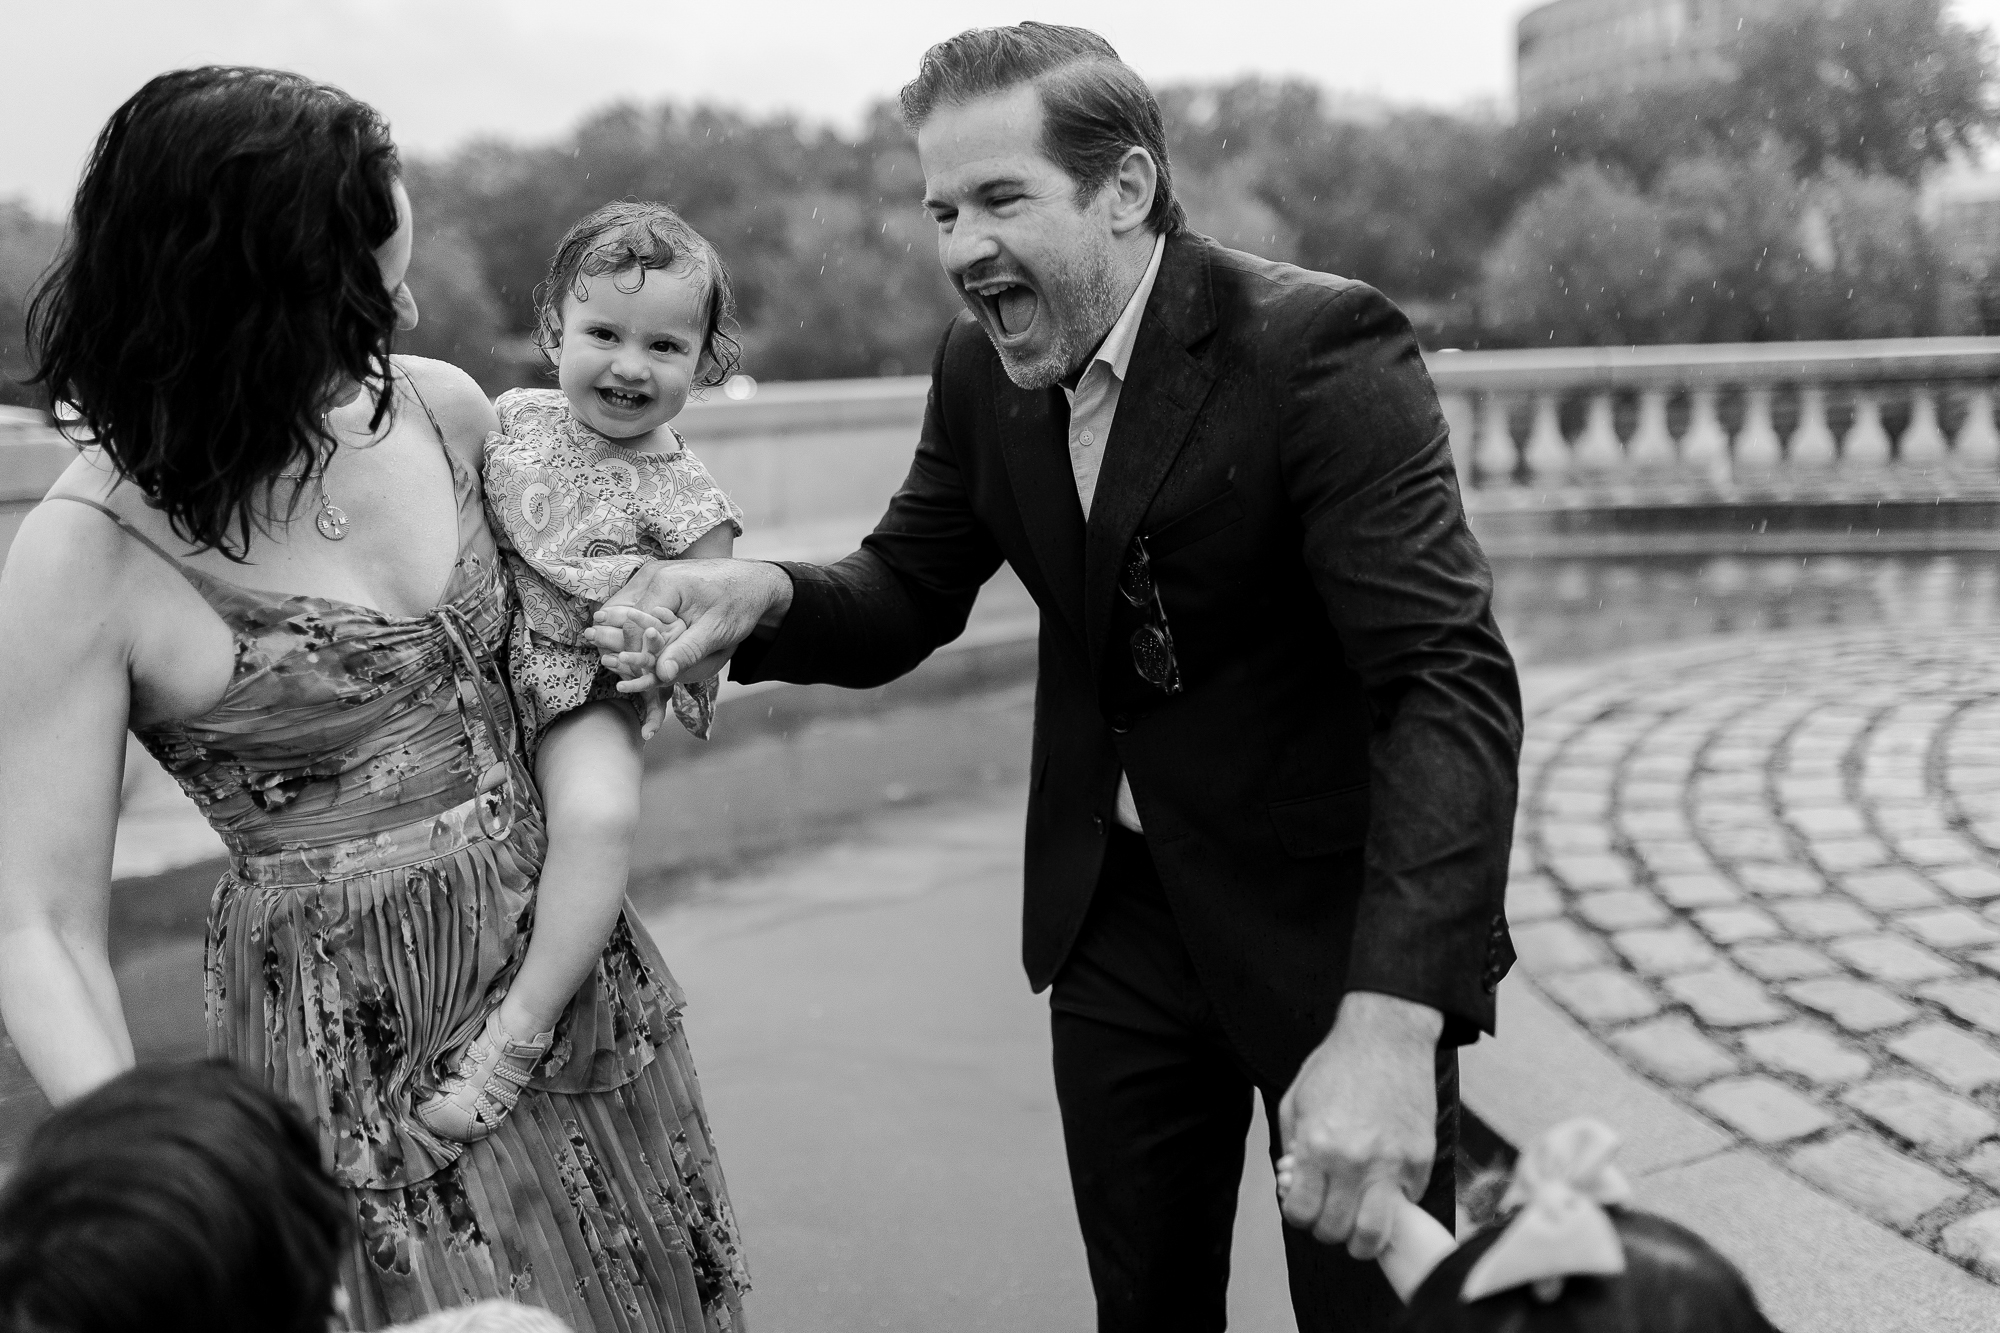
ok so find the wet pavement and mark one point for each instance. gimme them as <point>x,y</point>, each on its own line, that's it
<point>1766,872</point>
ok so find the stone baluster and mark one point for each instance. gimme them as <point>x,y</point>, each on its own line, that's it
<point>1652,448</point>
<point>1758,449</point>
<point>1461,423</point>
<point>1547,454</point>
<point>1496,455</point>
<point>1923,441</point>
<point>1866,448</point>
<point>1598,451</point>
<point>1977,447</point>
<point>1705,447</point>
<point>1923,444</point>
<point>1813,447</point>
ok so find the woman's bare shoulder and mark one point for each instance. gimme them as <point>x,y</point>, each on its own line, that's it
<point>68,555</point>
<point>461,407</point>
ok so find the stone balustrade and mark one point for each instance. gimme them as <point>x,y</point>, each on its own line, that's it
<point>1806,425</point>
<point>1883,417</point>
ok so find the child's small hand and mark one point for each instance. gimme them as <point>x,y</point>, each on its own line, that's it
<point>656,712</point>
<point>642,637</point>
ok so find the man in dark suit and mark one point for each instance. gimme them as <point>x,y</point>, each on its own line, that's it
<point>1276,730</point>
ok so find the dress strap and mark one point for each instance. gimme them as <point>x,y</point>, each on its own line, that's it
<point>203,583</point>
<point>411,381</point>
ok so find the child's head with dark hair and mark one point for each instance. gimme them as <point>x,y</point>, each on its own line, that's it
<point>1674,1282</point>
<point>226,278</point>
<point>633,315</point>
<point>175,1198</point>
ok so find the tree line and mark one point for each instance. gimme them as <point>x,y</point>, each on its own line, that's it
<point>1784,203</point>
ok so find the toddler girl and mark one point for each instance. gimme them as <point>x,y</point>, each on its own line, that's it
<point>583,486</point>
<point>1568,1257</point>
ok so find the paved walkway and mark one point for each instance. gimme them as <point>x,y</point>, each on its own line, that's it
<point>1759,872</point>
<point>1763,871</point>
<point>878,1077</point>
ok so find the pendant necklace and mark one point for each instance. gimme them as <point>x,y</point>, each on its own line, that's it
<point>331,520</point>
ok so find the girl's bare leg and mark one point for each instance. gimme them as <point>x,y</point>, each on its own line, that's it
<point>589,769</point>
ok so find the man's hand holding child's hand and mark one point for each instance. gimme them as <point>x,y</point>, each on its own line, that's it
<point>641,638</point>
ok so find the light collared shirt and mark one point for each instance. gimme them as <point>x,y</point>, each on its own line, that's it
<point>1092,405</point>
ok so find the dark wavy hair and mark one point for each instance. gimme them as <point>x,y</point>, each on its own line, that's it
<point>176,1198</point>
<point>631,236</point>
<point>1095,107</point>
<point>218,283</point>
<point>1674,1282</point>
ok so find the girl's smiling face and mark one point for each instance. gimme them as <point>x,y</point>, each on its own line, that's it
<point>632,345</point>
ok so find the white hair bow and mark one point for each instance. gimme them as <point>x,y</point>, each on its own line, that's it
<point>1562,1185</point>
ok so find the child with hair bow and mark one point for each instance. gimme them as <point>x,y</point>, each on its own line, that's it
<point>1567,1256</point>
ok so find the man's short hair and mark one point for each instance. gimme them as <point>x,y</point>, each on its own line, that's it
<point>1095,108</point>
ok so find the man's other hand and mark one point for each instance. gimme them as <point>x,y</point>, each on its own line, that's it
<point>1360,1122</point>
<point>718,603</point>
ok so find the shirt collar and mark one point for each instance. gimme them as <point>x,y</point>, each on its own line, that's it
<point>1116,349</point>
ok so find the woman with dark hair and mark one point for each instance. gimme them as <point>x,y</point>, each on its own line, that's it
<point>272,565</point>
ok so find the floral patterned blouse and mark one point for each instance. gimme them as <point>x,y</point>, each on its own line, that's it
<point>576,516</point>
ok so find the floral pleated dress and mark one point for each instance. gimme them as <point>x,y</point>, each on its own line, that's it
<point>385,839</point>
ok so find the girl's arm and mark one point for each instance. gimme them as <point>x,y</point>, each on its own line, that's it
<point>717,543</point>
<point>65,694</point>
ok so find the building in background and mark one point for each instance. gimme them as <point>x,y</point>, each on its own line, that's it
<point>1571,51</point>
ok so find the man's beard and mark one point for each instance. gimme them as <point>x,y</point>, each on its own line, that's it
<point>1083,303</point>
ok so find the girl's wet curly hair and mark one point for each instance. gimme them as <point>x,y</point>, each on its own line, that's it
<point>219,282</point>
<point>633,236</point>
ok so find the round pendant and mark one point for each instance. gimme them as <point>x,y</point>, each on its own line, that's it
<point>331,520</point>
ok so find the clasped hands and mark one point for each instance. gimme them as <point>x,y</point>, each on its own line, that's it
<point>677,621</point>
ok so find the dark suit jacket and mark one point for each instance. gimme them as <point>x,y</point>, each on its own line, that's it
<point>1331,799</point>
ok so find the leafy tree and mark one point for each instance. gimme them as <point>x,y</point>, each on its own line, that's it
<point>459,319</point>
<point>1408,201</point>
<point>1889,86</point>
<point>1879,273</point>
<point>1721,249</point>
<point>1581,264</point>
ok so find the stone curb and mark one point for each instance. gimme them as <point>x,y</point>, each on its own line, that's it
<point>1817,1263</point>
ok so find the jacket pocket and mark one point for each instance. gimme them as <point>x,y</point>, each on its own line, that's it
<point>1336,821</point>
<point>1204,520</point>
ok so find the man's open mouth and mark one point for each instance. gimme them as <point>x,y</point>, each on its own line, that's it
<point>1010,306</point>
<point>624,400</point>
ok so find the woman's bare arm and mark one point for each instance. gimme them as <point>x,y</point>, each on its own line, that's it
<point>65,694</point>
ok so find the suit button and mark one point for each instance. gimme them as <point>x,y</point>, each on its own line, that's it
<point>1097,822</point>
<point>1121,723</point>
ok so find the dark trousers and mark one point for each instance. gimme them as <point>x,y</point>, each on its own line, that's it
<point>1156,1105</point>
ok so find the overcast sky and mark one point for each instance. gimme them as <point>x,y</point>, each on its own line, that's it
<point>447,70</point>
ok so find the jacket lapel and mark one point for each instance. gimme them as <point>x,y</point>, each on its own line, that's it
<point>1165,386</point>
<point>1033,441</point>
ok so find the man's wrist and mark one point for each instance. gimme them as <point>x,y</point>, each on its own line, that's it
<point>778,602</point>
<point>1390,1017</point>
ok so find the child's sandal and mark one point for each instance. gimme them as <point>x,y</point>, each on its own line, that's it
<point>492,1071</point>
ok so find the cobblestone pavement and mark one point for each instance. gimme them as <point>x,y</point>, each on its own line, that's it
<point>1767,873</point>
